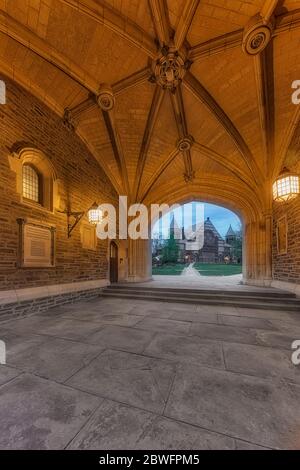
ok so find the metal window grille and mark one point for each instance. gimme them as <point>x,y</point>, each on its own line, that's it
<point>31,188</point>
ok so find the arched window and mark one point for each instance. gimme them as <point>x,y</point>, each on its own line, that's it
<point>31,184</point>
<point>36,178</point>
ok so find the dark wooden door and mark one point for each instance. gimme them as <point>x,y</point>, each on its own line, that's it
<point>113,266</point>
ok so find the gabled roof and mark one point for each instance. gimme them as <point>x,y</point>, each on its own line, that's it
<point>208,225</point>
<point>230,232</point>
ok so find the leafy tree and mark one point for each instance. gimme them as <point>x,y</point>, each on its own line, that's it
<point>237,249</point>
<point>156,243</point>
<point>170,250</point>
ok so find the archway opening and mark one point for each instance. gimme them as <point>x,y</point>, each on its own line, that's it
<point>200,242</point>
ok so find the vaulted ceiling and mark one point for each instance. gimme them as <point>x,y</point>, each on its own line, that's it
<point>167,94</point>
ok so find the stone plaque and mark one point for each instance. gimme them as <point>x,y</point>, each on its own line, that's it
<point>37,245</point>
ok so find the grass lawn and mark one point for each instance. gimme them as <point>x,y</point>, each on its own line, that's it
<point>169,269</point>
<point>218,269</point>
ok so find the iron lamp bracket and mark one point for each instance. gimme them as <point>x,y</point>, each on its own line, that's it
<point>75,215</point>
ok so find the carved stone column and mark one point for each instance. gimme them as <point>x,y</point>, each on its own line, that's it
<point>258,251</point>
<point>139,260</point>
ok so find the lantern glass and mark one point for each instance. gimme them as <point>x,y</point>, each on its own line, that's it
<point>286,187</point>
<point>95,215</point>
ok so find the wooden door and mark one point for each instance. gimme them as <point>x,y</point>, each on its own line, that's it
<point>114,261</point>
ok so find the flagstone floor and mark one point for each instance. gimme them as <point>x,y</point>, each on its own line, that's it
<point>122,374</point>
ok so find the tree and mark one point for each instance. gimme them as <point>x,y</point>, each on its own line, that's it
<point>156,243</point>
<point>170,250</point>
<point>237,249</point>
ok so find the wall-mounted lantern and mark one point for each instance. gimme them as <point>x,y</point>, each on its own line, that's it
<point>286,187</point>
<point>94,216</point>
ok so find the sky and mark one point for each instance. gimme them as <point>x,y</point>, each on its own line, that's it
<point>222,218</point>
<point>219,216</point>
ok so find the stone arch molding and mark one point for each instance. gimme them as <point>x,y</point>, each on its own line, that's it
<point>52,188</point>
<point>256,222</point>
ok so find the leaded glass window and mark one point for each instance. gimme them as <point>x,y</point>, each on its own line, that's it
<point>31,183</point>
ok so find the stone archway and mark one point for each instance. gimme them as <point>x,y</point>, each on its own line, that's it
<point>212,247</point>
<point>249,206</point>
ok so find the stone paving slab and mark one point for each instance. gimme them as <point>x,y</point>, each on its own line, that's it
<point>261,411</point>
<point>179,376</point>
<point>277,339</point>
<point>59,326</point>
<point>66,328</point>
<point>128,378</point>
<point>260,361</point>
<point>224,333</point>
<point>161,324</point>
<point>120,319</point>
<point>243,445</point>
<point>55,358</point>
<point>121,338</point>
<point>256,323</point>
<point>200,317</point>
<point>116,426</point>
<point>40,414</point>
<point>7,374</point>
<point>186,349</point>
<point>161,307</point>
<point>160,313</point>
<point>267,314</point>
<point>18,344</point>
<point>216,310</point>
<point>287,327</point>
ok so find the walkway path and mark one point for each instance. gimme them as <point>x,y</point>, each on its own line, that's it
<point>199,282</point>
<point>190,277</point>
<point>191,272</point>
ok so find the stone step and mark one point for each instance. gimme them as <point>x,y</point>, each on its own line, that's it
<point>208,296</point>
<point>272,293</point>
<point>241,302</point>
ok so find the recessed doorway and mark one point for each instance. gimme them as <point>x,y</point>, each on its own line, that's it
<point>113,264</point>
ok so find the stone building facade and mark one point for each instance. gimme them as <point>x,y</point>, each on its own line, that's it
<point>215,249</point>
<point>78,181</point>
<point>136,107</point>
<point>286,265</point>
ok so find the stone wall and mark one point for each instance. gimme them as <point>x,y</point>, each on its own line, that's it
<point>286,267</point>
<point>25,121</point>
<point>25,308</point>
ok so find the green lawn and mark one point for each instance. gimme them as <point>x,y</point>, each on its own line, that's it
<point>169,269</point>
<point>218,269</point>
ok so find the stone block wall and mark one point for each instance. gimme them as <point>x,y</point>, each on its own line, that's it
<point>286,267</point>
<point>25,308</point>
<point>25,121</point>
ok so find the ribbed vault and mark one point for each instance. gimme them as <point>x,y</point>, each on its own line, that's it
<point>222,126</point>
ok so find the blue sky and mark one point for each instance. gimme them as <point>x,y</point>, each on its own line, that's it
<point>220,217</point>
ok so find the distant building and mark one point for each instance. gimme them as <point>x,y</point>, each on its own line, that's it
<point>208,247</point>
<point>231,235</point>
<point>213,247</point>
